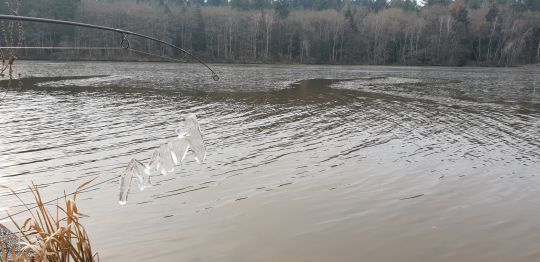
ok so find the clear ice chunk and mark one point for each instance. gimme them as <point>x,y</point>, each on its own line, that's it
<point>153,166</point>
<point>134,169</point>
<point>179,147</point>
<point>161,162</point>
<point>195,138</point>
<point>165,158</point>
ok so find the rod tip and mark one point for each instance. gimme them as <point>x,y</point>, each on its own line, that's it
<point>215,77</point>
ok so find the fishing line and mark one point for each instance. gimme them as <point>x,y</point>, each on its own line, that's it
<point>125,45</point>
<point>125,40</point>
<point>74,48</point>
<point>156,55</point>
<point>91,187</point>
<point>62,48</point>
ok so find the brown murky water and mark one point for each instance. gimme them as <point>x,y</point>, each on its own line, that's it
<point>305,163</point>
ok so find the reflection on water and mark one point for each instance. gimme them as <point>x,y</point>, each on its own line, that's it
<point>307,163</point>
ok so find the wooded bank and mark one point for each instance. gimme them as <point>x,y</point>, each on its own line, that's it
<point>398,32</point>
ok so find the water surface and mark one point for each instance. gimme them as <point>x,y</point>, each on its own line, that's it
<point>305,163</point>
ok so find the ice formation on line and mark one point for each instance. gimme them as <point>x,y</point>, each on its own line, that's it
<point>165,158</point>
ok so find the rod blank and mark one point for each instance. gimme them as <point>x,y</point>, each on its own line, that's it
<point>125,33</point>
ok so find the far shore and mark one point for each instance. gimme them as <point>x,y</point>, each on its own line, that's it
<point>240,62</point>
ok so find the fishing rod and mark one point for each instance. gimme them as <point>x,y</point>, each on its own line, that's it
<point>125,41</point>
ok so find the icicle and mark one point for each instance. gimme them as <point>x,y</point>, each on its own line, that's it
<point>153,166</point>
<point>165,158</point>
<point>195,139</point>
<point>134,168</point>
<point>179,147</point>
<point>162,161</point>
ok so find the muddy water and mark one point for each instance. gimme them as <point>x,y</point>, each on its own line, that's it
<point>305,163</point>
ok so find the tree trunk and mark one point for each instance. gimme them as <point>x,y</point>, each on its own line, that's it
<point>491,39</point>
<point>269,21</point>
<point>538,53</point>
<point>479,50</point>
<point>439,37</point>
<point>290,48</point>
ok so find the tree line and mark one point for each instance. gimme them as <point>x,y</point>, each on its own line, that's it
<point>378,32</point>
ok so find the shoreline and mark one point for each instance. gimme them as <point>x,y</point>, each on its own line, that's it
<point>263,63</point>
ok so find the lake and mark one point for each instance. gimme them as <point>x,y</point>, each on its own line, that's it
<point>304,163</point>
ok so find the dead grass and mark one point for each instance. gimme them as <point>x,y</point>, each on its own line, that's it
<point>49,236</point>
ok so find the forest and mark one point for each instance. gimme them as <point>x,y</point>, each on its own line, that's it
<point>374,32</point>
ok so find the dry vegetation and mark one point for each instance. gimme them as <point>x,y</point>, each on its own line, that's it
<point>46,235</point>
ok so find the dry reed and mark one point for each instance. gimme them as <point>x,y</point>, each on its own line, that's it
<point>49,236</point>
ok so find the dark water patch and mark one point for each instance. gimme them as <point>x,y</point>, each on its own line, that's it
<point>33,82</point>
